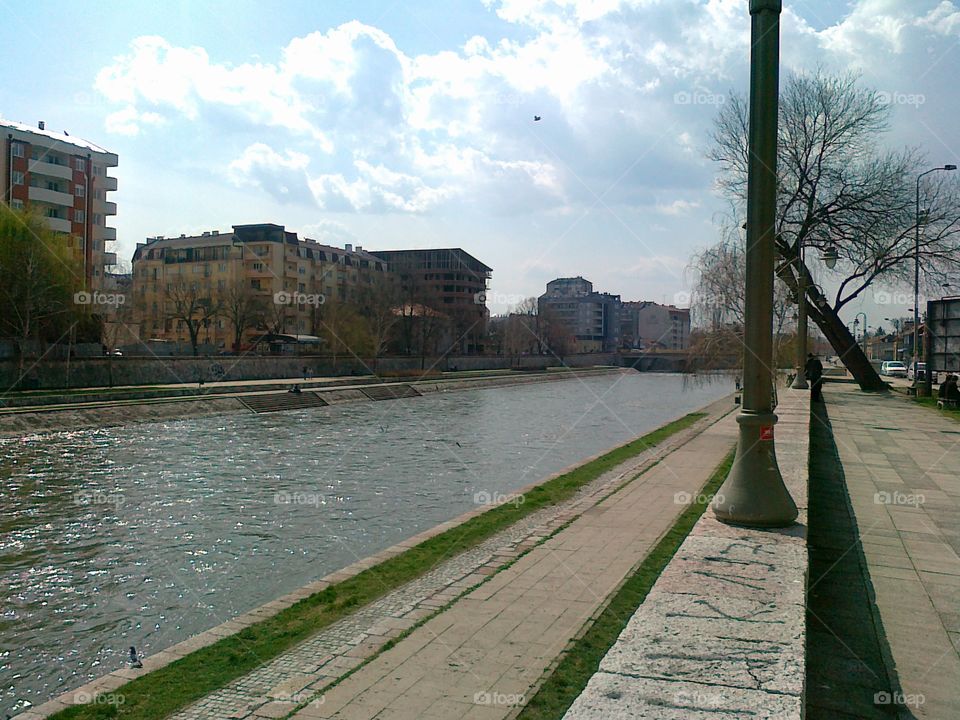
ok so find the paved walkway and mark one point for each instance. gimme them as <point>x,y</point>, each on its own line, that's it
<point>722,632</point>
<point>901,463</point>
<point>485,655</point>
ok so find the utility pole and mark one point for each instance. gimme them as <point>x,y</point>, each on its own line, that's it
<point>753,493</point>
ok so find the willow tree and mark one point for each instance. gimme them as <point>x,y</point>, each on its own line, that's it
<point>717,307</point>
<point>839,187</point>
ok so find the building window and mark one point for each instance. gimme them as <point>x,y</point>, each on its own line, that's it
<point>222,267</point>
<point>98,194</point>
<point>79,216</point>
<point>97,219</point>
<point>16,204</point>
<point>17,177</point>
<point>97,170</point>
<point>79,164</point>
<point>17,149</point>
<point>79,190</point>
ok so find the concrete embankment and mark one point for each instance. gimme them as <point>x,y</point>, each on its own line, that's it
<point>75,416</point>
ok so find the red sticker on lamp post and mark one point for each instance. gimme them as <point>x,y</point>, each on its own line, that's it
<point>766,432</point>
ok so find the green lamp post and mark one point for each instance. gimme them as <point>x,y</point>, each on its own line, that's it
<point>753,493</point>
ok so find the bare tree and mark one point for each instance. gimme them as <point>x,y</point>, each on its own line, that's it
<point>193,304</point>
<point>521,329</point>
<point>556,337</point>
<point>837,188</point>
<point>378,306</point>
<point>243,308</point>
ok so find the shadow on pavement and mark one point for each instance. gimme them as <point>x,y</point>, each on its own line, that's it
<point>847,676</point>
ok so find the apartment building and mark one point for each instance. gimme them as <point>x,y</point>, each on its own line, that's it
<point>292,278</point>
<point>65,179</point>
<point>450,281</point>
<point>648,325</point>
<point>591,318</point>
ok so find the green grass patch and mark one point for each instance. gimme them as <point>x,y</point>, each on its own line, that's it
<point>162,692</point>
<point>931,403</point>
<point>579,664</point>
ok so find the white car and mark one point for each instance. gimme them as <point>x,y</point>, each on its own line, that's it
<point>893,368</point>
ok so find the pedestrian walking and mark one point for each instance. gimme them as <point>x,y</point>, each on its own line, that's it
<point>814,372</point>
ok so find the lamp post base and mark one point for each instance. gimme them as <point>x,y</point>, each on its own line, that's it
<point>753,493</point>
<point>800,381</point>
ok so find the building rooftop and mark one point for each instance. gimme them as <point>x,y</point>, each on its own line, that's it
<point>466,257</point>
<point>61,138</point>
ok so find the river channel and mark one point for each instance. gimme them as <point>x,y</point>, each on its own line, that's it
<point>149,533</point>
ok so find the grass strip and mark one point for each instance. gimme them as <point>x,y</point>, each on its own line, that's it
<point>582,660</point>
<point>931,403</point>
<point>162,692</point>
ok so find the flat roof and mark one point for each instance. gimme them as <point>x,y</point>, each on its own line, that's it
<point>61,138</point>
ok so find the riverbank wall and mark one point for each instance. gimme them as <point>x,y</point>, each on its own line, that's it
<point>41,374</point>
<point>110,413</point>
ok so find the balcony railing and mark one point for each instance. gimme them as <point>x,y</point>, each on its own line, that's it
<point>39,194</point>
<point>58,224</point>
<point>40,167</point>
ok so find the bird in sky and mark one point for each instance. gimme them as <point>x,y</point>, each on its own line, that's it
<point>536,118</point>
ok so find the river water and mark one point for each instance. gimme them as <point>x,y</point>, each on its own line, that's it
<point>147,534</point>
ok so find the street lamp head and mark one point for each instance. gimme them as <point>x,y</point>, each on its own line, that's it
<point>830,257</point>
<point>949,167</point>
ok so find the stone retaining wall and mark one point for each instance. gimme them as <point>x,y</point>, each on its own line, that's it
<point>106,414</point>
<point>106,372</point>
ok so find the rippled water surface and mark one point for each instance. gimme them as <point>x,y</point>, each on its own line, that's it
<point>146,534</point>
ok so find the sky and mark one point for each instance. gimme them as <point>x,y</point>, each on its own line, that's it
<point>409,124</point>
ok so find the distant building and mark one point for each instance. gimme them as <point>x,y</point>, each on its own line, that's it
<point>452,282</point>
<point>65,179</point>
<point>591,318</point>
<point>268,261</point>
<point>648,325</point>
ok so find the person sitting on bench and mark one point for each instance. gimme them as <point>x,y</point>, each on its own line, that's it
<point>949,391</point>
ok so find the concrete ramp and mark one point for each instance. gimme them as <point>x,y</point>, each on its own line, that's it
<point>390,392</point>
<point>277,402</point>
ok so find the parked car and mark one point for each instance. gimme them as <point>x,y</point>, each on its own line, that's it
<point>920,371</point>
<point>893,368</point>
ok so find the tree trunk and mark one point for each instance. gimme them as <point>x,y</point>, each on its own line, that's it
<point>848,349</point>
<point>836,332</point>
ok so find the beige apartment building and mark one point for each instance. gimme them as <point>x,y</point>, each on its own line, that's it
<point>64,178</point>
<point>647,325</point>
<point>291,277</point>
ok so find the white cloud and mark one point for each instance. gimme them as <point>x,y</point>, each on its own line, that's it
<point>678,207</point>
<point>129,120</point>
<point>346,120</point>
<point>281,175</point>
